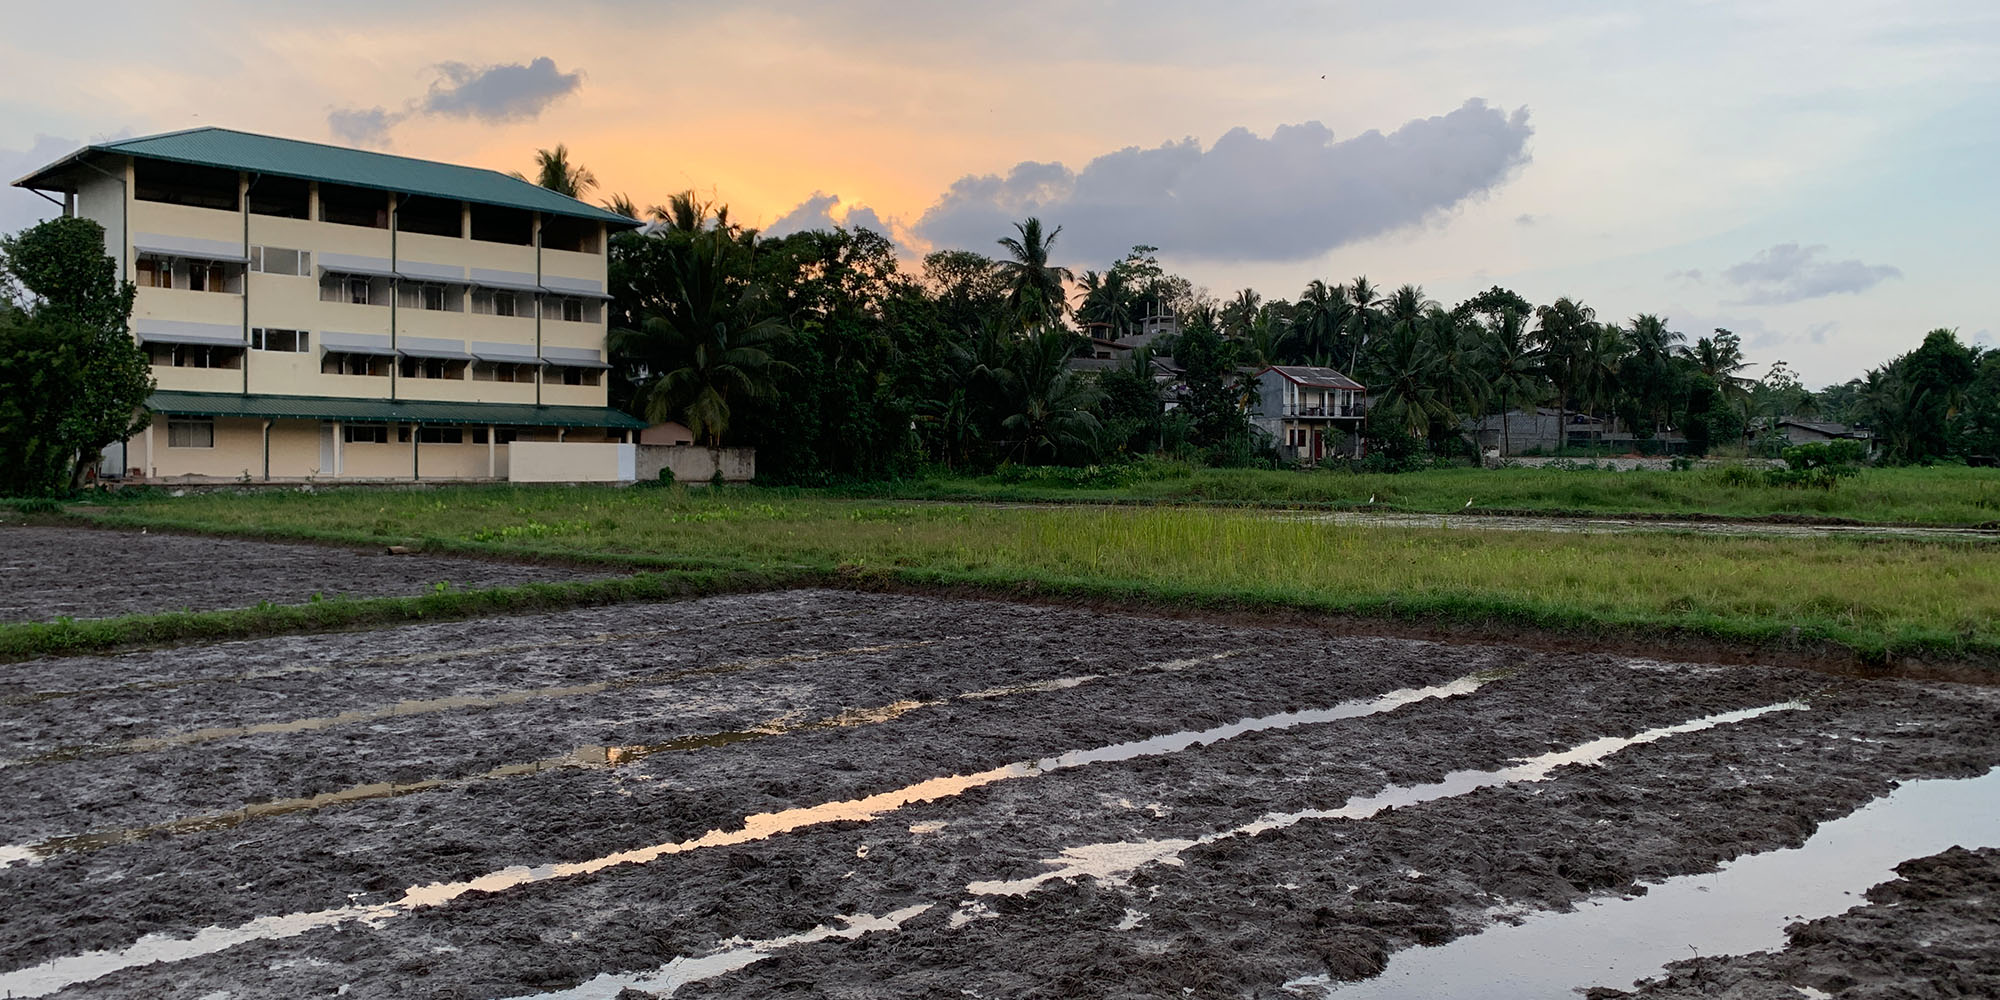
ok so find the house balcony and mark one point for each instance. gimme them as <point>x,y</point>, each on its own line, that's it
<point>1353,412</point>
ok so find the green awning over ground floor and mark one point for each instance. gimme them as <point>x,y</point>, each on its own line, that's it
<point>400,411</point>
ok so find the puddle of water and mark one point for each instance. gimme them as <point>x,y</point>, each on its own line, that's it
<point>586,756</point>
<point>734,955</point>
<point>1744,907</point>
<point>69,970</point>
<point>432,705</point>
<point>1115,862</point>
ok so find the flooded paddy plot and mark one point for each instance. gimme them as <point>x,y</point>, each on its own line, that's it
<point>51,572</point>
<point>892,795</point>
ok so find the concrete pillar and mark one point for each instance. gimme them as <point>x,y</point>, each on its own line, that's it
<point>416,470</point>
<point>152,471</point>
<point>339,438</point>
<point>492,452</point>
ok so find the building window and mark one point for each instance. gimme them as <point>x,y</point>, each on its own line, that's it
<point>428,296</point>
<point>189,274</point>
<point>155,272</point>
<point>194,355</point>
<point>494,302</point>
<point>352,206</point>
<point>570,308</point>
<point>293,341</point>
<point>279,260</point>
<point>336,363</point>
<point>185,184</point>
<point>284,197</point>
<point>433,368</point>
<point>570,375</point>
<point>431,217</point>
<point>364,433</point>
<point>356,289</point>
<point>191,433</point>
<point>497,371</point>
<point>574,235</point>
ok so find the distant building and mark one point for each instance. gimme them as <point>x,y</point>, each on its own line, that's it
<point>316,312</point>
<point>1798,431</point>
<point>1310,413</point>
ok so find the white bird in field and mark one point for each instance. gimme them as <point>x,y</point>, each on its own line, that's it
<point>1371,498</point>
<point>1468,503</point>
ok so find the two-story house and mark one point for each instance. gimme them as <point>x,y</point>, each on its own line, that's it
<point>317,312</point>
<point>1310,413</point>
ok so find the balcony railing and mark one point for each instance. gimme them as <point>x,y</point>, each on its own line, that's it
<point>1355,410</point>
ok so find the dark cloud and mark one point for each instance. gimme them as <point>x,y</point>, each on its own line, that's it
<point>506,92</point>
<point>1291,196</point>
<point>20,208</point>
<point>501,93</point>
<point>363,126</point>
<point>816,212</point>
<point>1789,272</point>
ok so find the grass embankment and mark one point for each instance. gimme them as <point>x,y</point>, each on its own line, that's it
<point>1933,496</point>
<point>25,640</point>
<point>1869,599</point>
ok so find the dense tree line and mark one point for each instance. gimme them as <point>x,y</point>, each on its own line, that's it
<point>836,363</point>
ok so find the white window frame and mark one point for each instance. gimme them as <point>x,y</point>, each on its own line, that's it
<point>189,425</point>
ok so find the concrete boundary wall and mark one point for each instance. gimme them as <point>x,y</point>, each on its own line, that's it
<point>696,464</point>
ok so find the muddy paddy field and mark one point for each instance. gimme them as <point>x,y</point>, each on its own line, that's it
<point>826,793</point>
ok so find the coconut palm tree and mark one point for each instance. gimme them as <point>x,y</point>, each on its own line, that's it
<point>711,344</point>
<point>1597,371</point>
<point>622,205</point>
<point>686,212</point>
<point>1561,329</point>
<point>1514,368</point>
<point>1720,358</point>
<point>1035,287</point>
<point>1365,322</point>
<point>1319,324</point>
<point>1051,404</point>
<point>1648,372</point>
<point>554,171</point>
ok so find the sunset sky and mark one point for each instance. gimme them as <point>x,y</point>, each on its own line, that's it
<point>1818,176</point>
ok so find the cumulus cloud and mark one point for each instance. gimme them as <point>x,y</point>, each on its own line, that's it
<point>1290,196</point>
<point>1688,274</point>
<point>499,93</point>
<point>1788,272</point>
<point>816,212</point>
<point>506,92</point>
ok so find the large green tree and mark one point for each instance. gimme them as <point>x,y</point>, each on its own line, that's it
<point>1036,287</point>
<point>76,316</point>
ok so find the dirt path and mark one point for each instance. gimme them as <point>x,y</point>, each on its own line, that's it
<point>870,794</point>
<point>50,572</point>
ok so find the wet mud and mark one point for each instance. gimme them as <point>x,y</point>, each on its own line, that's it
<point>848,794</point>
<point>52,572</point>
<point>1932,932</point>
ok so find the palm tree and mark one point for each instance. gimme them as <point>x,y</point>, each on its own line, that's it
<point>1403,379</point>
<point>1597,371</point>
<point>1318,324</point>
<point>554,171</point>
<point>1240,312</point>
<point>1406,305</point>
<point>711,344</point>
<point>622,205</point>
<point>1365,322</point>
<point>1649,372</point>
<point>1453,342</point>
<point>1514,367</point>
<point>1034,286</point>
<point>1051,404</point>
<point>685,212</point>
<point>1720,358</point>
<point>1562,328</point>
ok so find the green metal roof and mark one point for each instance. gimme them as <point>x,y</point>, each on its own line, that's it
<point>263,154</point>
<point>401,411</point>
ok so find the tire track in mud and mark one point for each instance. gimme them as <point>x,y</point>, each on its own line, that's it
<point>62,972</point>
<point>1115,862</point>
<point>592,756</point>
<point>425,706</point>
<point>407,659</point>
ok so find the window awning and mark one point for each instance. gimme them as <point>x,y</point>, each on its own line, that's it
<point>443,274</point>
<point>505,281</point>
<point>521,356</point>
<point>574,363</point>
<point>438,353</point>
<point>582,288</point>
<point>159,331</point>
<point>369,344</point>
<point>405,411</point>
<point>150,248</point>
<point>202,339</point>
<point>346,263</point>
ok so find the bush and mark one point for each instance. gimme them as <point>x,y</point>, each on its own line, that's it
<point>1818,466</point>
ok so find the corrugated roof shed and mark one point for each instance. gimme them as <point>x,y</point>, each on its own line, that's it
<point>263,154</point>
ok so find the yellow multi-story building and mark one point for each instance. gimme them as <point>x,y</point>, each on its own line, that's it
<point>317,312</point>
